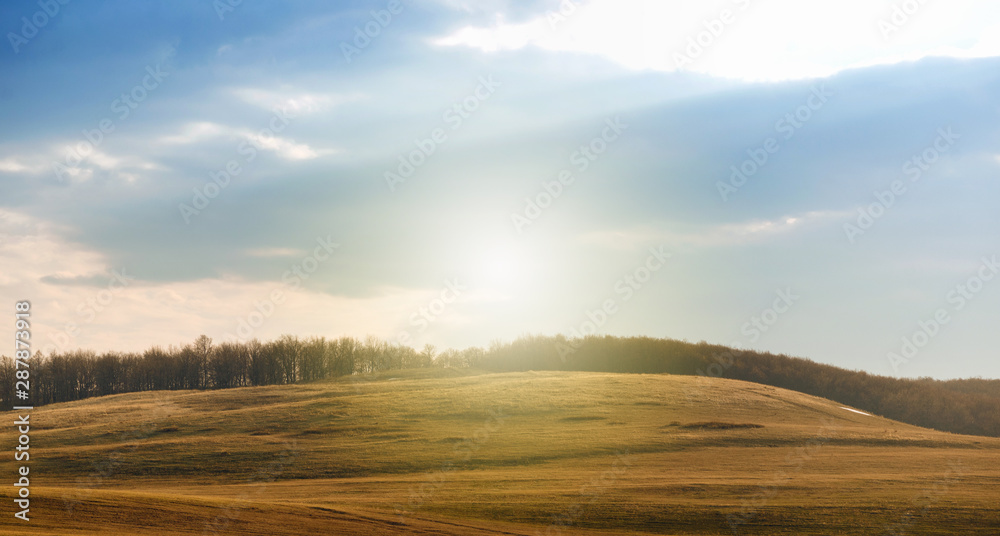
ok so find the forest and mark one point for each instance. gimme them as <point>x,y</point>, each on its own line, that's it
<point>968,406</point>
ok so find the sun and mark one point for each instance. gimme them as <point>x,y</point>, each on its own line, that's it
<point>501,267</point>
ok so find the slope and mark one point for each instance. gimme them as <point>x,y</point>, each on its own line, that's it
<point>454,452</point>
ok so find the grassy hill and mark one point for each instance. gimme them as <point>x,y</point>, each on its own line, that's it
<point>970,406</point>
<point>454,451</point>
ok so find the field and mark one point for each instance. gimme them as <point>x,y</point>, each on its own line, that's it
<point>459,452</point>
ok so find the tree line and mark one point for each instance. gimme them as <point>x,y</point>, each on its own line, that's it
<point>962,406</point>
<point>970,406</point>
<point>78,374</point>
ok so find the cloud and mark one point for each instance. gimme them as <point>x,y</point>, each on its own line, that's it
<point>80,300</point>
<point>746,39</point>
<point>274,252</point>
<point>266,139</point>
<point>286,148</point>
<point>748,232</point>
<point>127,168</point>
<point>29,160</point>
<point>77,280</point>
<point>293,101</point>
<point>195,132</point>
<point>16,165</point>
<point>563,76</point>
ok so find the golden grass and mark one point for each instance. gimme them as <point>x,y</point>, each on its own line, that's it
<point>454,452</point>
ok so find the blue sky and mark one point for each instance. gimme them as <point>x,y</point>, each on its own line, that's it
<point>547,148</point>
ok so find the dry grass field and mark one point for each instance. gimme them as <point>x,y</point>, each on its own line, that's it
<point>457,452</point>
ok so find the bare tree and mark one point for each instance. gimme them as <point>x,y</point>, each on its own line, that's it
<point>288,351</point>
<point>203,349</point>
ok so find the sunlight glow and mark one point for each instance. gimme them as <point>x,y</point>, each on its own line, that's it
<point>501,267</point>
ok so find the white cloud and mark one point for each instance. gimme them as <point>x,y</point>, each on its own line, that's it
<point>295,102</point>
<point>727,234</point>
<point>128,168</point>
<point>274,252</point>
<point>758,40</point>
<point>77,161</point>
<point>265,139</point>
<point>195,132</point>
<point>34,164</point>
<point>287,148</point>
<point>11,165</point>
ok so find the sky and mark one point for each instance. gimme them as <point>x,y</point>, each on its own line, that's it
<point>806,178</point>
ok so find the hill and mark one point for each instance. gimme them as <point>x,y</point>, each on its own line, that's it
<point>456,451</point>
<point>961,406</point>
